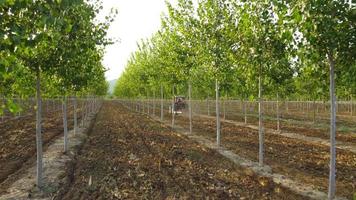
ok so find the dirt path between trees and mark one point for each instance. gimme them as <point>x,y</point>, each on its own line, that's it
<point>21,185</point>
<point>298,160</point>
<point>317,140</point>
<point>298,187</point>
<point>18,140</point>
<point>130,156</point>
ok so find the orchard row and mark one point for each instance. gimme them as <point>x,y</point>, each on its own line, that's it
<point>250,50</point>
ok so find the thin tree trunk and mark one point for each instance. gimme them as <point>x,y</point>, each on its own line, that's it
<point>173,112</point>
<point>3,112</point>
<point>217,114</point>
<point>47,105</point>
<point>75,115</point>
<point>190,107</point>
<point>154,103</point>
<point>352,104</point>
<point>161,102</point>
<point>38,130</point>
<point>82,112</point>
<point>278,116</point>
<point>148,104</point>
<point>332,184</point>
<point>245,110</point>
<point>207,101</point>
<point>224,107</point>
<point>314,112</point>
<point>65,126</point>
<point>260,131</point>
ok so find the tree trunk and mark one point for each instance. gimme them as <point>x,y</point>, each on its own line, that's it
<point>278,117</point>
<point>190,108</point>
<point>154,103</point>
<point>224,107</point>
<point>352,104</point>
<point>161,102</point>
<point>173,114</point>
<point>75,115</point>
<point>148,104</point>
<point>245,111</point>
<point>65,126</point>
<point>260,131</point>
<point>38,130</point>
<point>314,112</point>
<point>82,112</point>
<point>332,184</point>
<point>47,105</point>
<point>217,114</point>
<point>3,111</point>
<point>207,101</point>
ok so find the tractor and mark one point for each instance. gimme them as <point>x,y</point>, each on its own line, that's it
<point>179,104</point>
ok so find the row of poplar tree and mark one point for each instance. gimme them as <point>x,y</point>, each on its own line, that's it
<point>51,48</point>
<point>57,44</point>
<point>289,44</point>
<point>253,49</point>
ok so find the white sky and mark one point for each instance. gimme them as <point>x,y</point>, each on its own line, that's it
<point>136,19</point>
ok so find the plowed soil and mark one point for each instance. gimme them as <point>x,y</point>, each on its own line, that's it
<point>129,156</point>
<point>299,160</point>
<point>18,140</point>
<point>303,129</point>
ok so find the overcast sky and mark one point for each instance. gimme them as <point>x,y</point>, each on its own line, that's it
<point>137,19</point>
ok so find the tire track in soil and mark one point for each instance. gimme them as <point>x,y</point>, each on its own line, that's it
<point>128,155</point>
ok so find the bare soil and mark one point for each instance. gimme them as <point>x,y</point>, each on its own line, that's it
<point>299,160</point>
<point>129,156</point>
<point>18,141</point>
<point>304,129</point>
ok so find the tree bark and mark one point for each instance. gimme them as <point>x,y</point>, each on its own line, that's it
<point>173,113</point>
<point>207,101</point>
<point>65,126</point>
<point>260,131</point>
<point>39,167</point>
<point>332,184</point>
<point>148,104</point>
<point>224,107</point>
<point>217,114</point>
<point>190,108</point>
<point>82,112</point>
<point>278,116</point>
<point>3,103</point>
<point>75,115</point>
<point>245,111</point>
<point>161,102</point>
<point>154,103</point>
<point>352,104</point>
<point>314,112</point>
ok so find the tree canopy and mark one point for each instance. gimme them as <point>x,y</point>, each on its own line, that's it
<point>235,41</point>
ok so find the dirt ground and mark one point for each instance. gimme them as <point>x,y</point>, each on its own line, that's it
<point>300,160</point>
<point>129,156</point>
<point>18,141</point>
<point>303,129</point>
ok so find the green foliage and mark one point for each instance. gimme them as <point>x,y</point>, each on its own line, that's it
<point>285,43</point>
<point>60,40</point>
